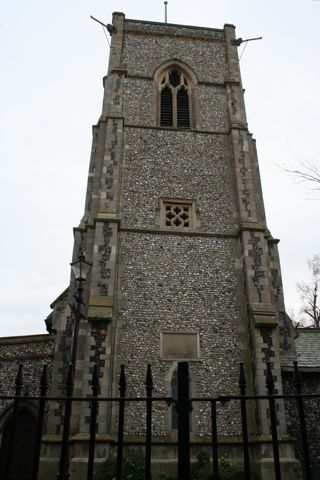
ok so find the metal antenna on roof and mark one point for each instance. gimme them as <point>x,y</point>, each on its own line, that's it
<point>111,28</point>
<point>165,12</point>
<point>239,41</point>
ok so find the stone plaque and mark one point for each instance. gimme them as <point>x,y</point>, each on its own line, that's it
<point>179,346</point>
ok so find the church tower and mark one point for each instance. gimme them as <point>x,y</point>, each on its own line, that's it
<point>184,267</point>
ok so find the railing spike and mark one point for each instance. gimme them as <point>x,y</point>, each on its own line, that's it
<point>122,381</point>
<point>19,380</point>
<point>183,421</point>
<point>297,377</point>
<point>302,417</point>
<point>44,381</point>
<point>269,379</point>
<point>69,380</point>
<point>149,387</point>
<point>243,387</point>
<point>93,420</point>
<point>64,454</point>
<point>242,379</point>
<point>122,388</point>
<point>149,381</point>
<point>41,411</point>
<point>273,420</point>
<point>95,380</point>
<point>14,420</point>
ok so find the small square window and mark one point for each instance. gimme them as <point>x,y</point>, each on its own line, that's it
<point>177,213</point>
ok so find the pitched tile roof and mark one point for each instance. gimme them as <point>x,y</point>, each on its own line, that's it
<point>308,347</point>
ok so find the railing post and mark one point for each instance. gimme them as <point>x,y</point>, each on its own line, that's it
<point>149,387</point>
<point>19,382</point>
<point>273,419</point>
<point>122,388</point>
<point>214,441</point>
<point>64,455</point>
<point>37,450</point>
<point>242,387</point>
<point>183,410</point>
<point>93,421</point>
<point>304,439</point>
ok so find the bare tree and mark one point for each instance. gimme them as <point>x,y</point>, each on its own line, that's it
<point>310,308</point>
<point>306,173</point>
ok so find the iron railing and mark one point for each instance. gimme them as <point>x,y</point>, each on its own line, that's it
<point>183,405</point>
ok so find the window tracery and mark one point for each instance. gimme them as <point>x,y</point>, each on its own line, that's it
<point>175,99</point>
<point>177,213</point>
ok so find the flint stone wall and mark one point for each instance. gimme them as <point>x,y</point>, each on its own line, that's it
<point>310,384</point>
<point>32,351</point>
<point>171,282</point>
<point>207,57</point>
<point>177,164</point>
<point>141,104</point>
<point>213,108</point>
<point>176,283</point>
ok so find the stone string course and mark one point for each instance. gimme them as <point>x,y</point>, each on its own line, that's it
<point>174,30</point>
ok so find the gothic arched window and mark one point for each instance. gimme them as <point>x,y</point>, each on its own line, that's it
<point>175,99</point>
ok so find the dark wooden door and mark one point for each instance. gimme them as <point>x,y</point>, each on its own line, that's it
<point>23,447</point>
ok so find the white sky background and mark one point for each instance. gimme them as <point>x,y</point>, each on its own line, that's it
<point>53,58</point>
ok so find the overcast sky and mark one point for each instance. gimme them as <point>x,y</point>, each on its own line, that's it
<point>53,58</point>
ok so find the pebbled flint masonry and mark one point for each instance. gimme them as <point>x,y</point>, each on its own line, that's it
<point>30,351</point>
<point>180,283</point>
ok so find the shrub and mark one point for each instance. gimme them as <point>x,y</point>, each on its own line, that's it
<point>201,470</point>
<point>228,470</point>
<point>132,468</point>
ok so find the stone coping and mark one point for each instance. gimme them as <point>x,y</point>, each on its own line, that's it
<point>289,369</point>
<point>23,339</point>
<point>167,440</point>
<point>175,25</point>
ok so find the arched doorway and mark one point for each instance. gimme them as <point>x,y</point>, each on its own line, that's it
<point>23,447</point>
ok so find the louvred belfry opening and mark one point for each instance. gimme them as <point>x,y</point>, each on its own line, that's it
<point>183,108</point>
<point>166,107</point>
<point>174,100</point>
